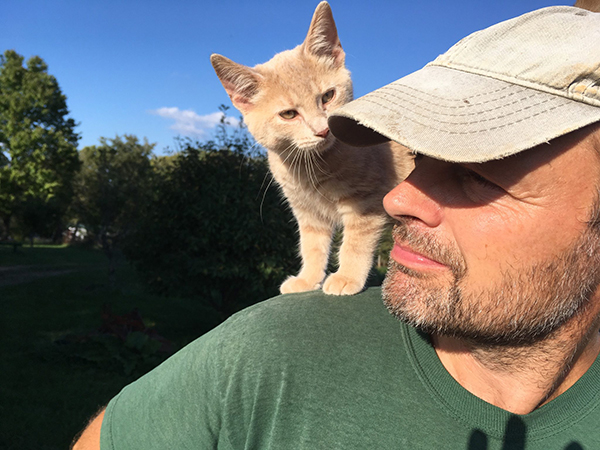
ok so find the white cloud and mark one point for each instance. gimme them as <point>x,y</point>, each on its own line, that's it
<point>189,123</point>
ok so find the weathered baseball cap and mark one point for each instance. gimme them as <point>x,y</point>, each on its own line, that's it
<point>495,93</point>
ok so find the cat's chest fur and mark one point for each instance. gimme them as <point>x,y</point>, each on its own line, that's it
<point>316,190</point>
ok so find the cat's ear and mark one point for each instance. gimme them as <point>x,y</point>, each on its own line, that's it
<point>322,38</point>
<point>240,82</point>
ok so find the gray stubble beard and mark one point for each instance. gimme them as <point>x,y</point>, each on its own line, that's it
<point>525,307</point>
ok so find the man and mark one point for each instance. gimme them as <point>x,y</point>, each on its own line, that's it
<point>493,275</point>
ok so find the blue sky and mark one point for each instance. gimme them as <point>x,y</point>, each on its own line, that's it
<point>142,67</point>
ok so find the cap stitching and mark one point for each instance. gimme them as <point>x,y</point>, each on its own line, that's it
<point>519,81</point>
<point>471,123</point>
<point>477,113</point>
<point>388,87</point>
<point>462,115</point>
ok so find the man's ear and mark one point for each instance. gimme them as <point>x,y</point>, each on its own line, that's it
<point>240,82</point>
<point>322,39</point>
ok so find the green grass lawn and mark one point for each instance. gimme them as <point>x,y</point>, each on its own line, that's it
<point>57,367</point>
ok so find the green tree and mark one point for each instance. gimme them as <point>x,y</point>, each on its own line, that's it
<point>38,144</point>
<point>210,232</point>
<point>111,189</point>
<point>43,217</point>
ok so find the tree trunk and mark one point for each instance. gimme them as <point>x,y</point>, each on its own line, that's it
<point>57,236</point>
<point>6,222</point>
<point>108,248</point>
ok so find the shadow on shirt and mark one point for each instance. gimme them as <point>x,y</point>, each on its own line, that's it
<point>514,437</point>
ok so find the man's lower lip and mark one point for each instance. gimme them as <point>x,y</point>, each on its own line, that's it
<point>406,257</point>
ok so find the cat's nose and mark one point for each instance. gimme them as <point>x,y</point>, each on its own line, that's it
<point>323,133</point>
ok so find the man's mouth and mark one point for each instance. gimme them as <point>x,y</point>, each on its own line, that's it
<point>413,260</point>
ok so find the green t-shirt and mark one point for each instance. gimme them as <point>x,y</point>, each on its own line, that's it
<point>310,371</point>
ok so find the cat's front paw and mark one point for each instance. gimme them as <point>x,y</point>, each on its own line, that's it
<point>337,284</point>
<point>297,284</point>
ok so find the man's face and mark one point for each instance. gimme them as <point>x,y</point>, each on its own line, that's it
<point>500,252</point>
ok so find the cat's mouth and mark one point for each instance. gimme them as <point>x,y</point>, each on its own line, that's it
<point>307,146</point>
<point>322,144</point>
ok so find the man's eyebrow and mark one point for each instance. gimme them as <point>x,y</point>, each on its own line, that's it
<point>482,168</point>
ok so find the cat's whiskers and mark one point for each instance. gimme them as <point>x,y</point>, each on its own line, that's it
<point>289,148</point>
<point>309,175</point>
<point>302,164</point>
<point>312,163</point>
<point>265,194</point>
<point>320,154</point>
<point>317,157</point>
<point>316,150</point>
<point>312,175</point>
<point>292,148</point>
<point>255,146</point>
<point>309,171</point>
<point>297,163</point>
<point>268,174</point>
<point>296,168</point>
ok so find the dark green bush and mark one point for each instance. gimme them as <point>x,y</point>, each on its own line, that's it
<point>211,232</point>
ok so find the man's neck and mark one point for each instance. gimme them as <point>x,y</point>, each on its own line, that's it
<point>521,379</point>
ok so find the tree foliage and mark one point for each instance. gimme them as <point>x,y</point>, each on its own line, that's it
<point>38,144</point>
<point>209,232</point>
<point>112,189</point>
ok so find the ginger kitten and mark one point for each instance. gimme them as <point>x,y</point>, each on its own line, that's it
<point>285,103</point>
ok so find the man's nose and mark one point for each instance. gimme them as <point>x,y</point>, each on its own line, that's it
<point>415,198</point>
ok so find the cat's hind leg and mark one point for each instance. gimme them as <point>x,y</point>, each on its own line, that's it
<point>361,236</point>
<point>315,242</point>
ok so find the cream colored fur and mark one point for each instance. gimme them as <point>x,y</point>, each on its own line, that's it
<point>327,183</point>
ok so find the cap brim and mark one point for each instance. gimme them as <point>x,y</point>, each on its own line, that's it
<point>458,116</point>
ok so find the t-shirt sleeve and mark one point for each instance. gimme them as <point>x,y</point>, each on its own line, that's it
<point>174,406</point>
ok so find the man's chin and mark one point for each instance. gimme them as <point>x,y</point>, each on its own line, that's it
<point>406,292</point>
<point>420,300</point>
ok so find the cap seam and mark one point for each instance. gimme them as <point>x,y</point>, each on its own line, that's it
<point>437,97</point>
<point>437,112</point>
<point>469,123</point>
<point>516,81</point>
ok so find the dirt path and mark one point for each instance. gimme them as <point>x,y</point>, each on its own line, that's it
<point>23,274</point>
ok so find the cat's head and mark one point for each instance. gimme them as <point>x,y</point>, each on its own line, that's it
<point>285,101</point>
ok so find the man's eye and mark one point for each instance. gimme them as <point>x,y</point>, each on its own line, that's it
<point>468,176</point>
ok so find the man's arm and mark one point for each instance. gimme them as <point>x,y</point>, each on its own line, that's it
<point>89,439</point>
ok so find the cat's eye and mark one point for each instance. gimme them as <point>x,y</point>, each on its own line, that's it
<point>289,114</point>
<point>328,96</point>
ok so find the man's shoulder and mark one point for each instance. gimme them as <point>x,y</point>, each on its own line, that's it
<point>310,311</point>
<point>278,365</point>
<point>294,324</point>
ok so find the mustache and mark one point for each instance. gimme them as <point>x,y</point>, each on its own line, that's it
<point>429,246</point>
